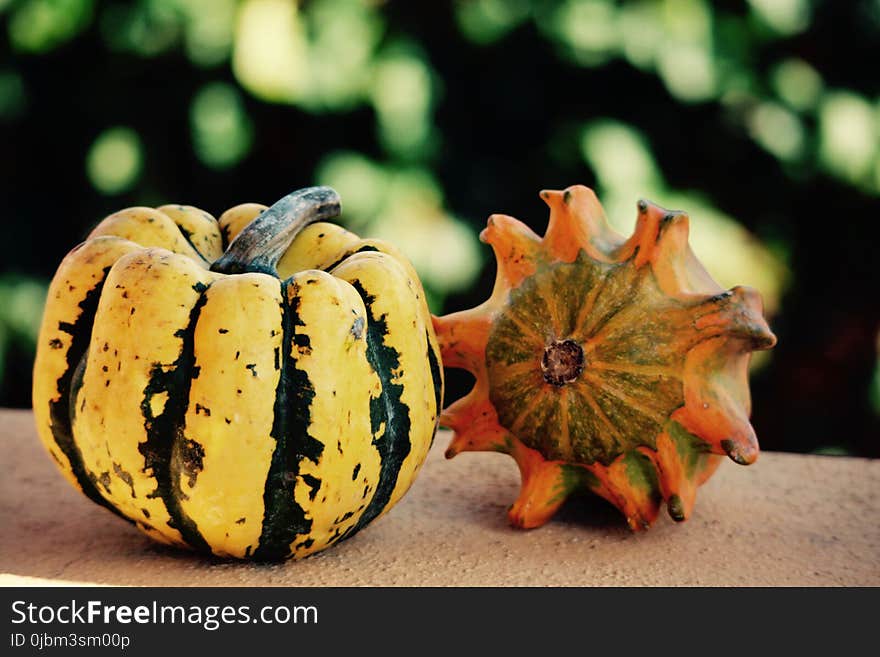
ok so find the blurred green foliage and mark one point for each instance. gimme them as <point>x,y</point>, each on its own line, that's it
<point>21,308</point>
<point>756,117</point>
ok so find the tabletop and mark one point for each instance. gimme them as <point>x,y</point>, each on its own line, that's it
<point>787,520</point>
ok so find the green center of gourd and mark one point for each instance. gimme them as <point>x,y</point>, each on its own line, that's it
<point>585,360</point>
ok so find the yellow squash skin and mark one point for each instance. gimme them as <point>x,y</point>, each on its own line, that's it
<point>262,412</point>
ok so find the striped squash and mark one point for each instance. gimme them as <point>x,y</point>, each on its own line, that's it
<point>263,400</point>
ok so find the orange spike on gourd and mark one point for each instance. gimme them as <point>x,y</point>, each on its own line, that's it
<point>612,364</point>
<point>517,250</point>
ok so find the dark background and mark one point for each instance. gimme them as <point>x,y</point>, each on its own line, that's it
<point>761,118</point>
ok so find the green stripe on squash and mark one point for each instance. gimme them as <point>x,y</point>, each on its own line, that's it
<point>284,519</point>
<point>163,451</point>
<point>386,411</point>
<point>61,411</point>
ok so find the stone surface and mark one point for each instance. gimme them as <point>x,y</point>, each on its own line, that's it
<point>787,520</point>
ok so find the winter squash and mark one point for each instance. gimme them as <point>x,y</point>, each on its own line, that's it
<point>264,401</point>
<point>603,363</point>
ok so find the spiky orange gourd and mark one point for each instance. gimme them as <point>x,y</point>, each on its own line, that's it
<point>614,364</point>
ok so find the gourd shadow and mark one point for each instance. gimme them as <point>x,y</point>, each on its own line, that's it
<point>494,482</point>
<point>189,557</point>
<point>593,512</point>
<point>197,559</point>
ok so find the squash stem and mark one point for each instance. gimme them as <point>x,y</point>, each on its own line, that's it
<point>259,246</point>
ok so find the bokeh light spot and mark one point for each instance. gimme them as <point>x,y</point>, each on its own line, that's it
<point>688,70</point>
<point>641,29</point>
<point>777,130</point>
<point>37,26</point>
<point>146,29</point>
<point>784,16</point>
<point>209,29</point>
<point>588,28</point>
<point>797,83</point>
<point>848,135</point>
<point>361,182</point>
<point>486,21</point>
<point>269,55</point>
<point>343,35</point>
<point>22,299</point>
<point>21,308</point>
<point>401,93</point>
<point>221,129</point>
<point>618,154</point>
<point>115,160</point>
